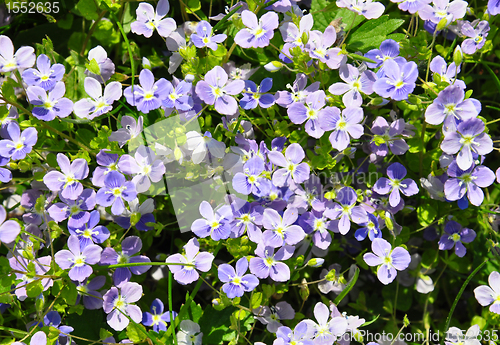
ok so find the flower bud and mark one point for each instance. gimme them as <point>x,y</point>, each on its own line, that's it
<point>458,56</point>
<point>145,63</point>
<point>315,262</point>
<point>135,218</point>
<point>273,66</point>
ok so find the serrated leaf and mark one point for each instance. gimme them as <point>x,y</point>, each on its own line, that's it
<point>324,12</point>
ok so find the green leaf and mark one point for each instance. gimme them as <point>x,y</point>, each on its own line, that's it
<point>87,9</point>
<point>324,12</point>
<point>8,90</point>
<point>214,325</point>
<point>193,6</point>
<point>348,287</point>
<point>106,34</point>
<point>69,293</point>
<point>256,300</point>
<point>136,333</point>
<point>372,33</point>
<point>426,214</point>
<point>34,288</point>
<point>93,67</point>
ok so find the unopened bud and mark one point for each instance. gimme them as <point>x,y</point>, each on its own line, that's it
<point>135,218</point>
<point>189,78</point>
<point>315,262</point>
<point>442,24</point>
<point>331,276</point>
<point>40,302</point>
<point>273,66</point>
<point>458,56</point>
<point>146,63</point>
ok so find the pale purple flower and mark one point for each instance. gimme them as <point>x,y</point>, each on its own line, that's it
<point>157,318</point>
<point>256,34</point>
<point>178,97</point>
<point>148,20</point>
<point>477,36</point>
<point>241,7</point>
<point>486,295</point>
<point>23,58</point>
<point>256,95</point>
<point>5,174</point>
<point>145,167</point>
<point>39,338</point>
<point>272,315</point>
<point>48,107</point>
<point>469,181</point>
<point>285,336</point>
<point>215,90</point>
<point>106,66</point>
<point>345,210</point>
<point>317,224</point>
<point>366,8</point>
<point>145,210</point>
<point>395,184</point>
<point>298,91</point>
<point>412,6</point>
<point>434,185</point>
<point>200,261</point>
<point>293,34</point>
<point>131,245</point>
<point>292,171</point>
<point>371,228</point>
<point>469,137</point>
<point>78,260</point>
<point>204,38</point>
<point>247,218</point>
<point>20,264</point>
<point>8,229</point>
<point>388,137</point>
<point>149,95</point>
<point>251,181</point>
<point>203,146</point>
<point>454,236</point>
<point>388,260</point>
<point>327,328</point>
<point>97,104</point>
<point>344,126</point>
<point>92,299</point>
<point>309,113</point>
<point>244,72</point>
<point>398,82</point>
<point>214,223</point>
<point>446,73</point>
<point>46,76</point>
<point>281,229</point>
<point>443,9</point>
<point>353,85</point>
<point>388,50</point>
<point>90,232</point>
<point>131,128</point>
<point>266,263</point>
<point>18,144</point>
<point>451,108</point>
<point>318,46</point>
<point>107,162</point>
<point>493,7</point>
<point>115,190</point>
<point>117,303</point>
<point>236,281</point>
<point>75,210</point>
<point>67,181</point>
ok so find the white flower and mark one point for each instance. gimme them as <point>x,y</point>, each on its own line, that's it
<point>189,334</point>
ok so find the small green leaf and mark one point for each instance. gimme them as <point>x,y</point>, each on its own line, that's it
<point>34,288</point>
<point>93,67</point>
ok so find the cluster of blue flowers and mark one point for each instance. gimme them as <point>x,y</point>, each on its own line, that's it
<point>277,200</point>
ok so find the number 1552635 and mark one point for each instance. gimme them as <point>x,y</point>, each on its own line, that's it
<point>33,7</point>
